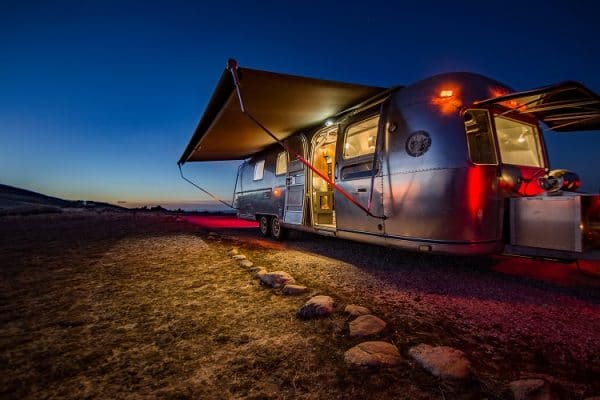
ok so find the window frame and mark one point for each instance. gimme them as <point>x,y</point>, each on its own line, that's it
<point>538,132</point>
<point>284,155</point>
<point>347,131</point>
<point>492,133</point>
<point>259,166</point>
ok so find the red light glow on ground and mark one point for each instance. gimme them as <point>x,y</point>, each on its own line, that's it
<point>221,222</point>
<point>561,274</point>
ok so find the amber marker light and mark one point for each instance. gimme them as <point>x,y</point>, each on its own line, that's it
<point>447,99</point>
<point>277,192</point>
<point>497,92</point>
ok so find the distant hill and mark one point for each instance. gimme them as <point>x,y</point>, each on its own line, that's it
<point>15,200</point>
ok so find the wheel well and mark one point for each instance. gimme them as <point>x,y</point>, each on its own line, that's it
<point>257,216</point>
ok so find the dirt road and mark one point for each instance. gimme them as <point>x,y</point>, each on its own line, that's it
<point>117,306</point>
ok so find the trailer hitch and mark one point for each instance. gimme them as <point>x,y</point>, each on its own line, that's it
<point>232,66</point>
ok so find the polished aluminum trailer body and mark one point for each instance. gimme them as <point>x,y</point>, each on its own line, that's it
<point>433,163</point>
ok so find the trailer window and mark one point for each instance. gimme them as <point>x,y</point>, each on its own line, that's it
<point>361,137</point>
<point>281,165</point>
<point>519,142</point>
<point>479,137</point>
<point>259,170</point>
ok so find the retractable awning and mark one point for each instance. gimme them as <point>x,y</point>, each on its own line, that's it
<point>283,103</point>
<point>564,107</point>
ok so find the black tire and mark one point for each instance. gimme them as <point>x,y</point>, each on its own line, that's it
<point>278,232</point>
<point>264,225</point>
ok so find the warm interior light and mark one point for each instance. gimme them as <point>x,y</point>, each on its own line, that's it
<point>277,192</point>
<point>446,93</point>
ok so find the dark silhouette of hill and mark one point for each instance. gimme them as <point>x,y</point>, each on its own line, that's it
<point>14,200</point>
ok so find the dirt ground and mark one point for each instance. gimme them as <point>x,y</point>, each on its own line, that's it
<point>148,306</point>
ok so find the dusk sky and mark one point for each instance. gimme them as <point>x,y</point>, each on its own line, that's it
<point>98,99</point>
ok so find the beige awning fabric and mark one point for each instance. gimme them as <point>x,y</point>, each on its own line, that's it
<point>564,107</point>
<point>283,103</point>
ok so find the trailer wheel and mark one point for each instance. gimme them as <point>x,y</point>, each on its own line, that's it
<point>277,231</point>
<point>264,225</point>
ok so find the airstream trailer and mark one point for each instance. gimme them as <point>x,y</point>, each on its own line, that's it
<point>455,163</point>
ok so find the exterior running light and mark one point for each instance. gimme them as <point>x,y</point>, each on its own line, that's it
<point>447,98</point>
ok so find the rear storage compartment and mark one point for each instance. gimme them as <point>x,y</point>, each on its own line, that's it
<point>566,225</point>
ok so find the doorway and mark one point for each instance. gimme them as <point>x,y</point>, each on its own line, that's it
<point>323,159</point>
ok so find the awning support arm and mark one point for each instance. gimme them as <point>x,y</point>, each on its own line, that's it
<point>204,190</point>
<point>237,179</point>
<point>232,66</point>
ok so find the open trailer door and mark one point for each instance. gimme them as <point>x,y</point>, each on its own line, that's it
<point>295,183</point>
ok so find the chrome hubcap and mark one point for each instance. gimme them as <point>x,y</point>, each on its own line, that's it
<point>263,224</point>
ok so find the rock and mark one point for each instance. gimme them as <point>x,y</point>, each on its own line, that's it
<point>258,272</point>
<point>246,263</point>
<point>366,325</point>
<point>373,354</point>
<point>234,251</point>
<point>277,279</point>
<point>239,257</point>
<point>441,361</point>
<point>316,306</point>
<point>355,310</point>
<point>292,290</point>
<point>531,389</point>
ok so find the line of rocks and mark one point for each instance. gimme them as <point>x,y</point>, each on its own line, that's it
<point>275,279</point>
<point>443,362</point>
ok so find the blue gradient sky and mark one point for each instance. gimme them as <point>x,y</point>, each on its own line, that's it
<point>99,99</point>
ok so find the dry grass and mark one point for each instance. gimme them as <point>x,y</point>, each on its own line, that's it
<point>112,306</point>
